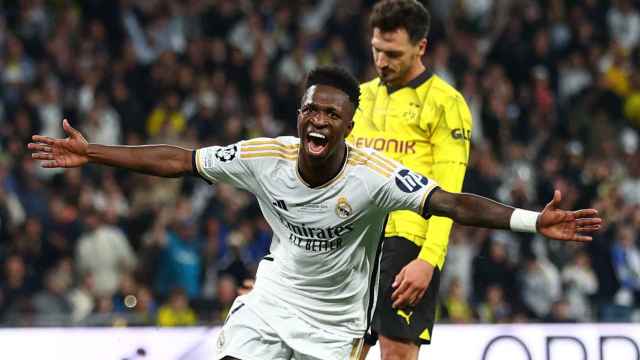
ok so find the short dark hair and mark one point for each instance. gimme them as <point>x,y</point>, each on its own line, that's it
<point>411,15</point>
<point>338,78</point>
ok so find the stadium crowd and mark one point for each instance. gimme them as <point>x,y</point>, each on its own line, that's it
<point>553,86</point>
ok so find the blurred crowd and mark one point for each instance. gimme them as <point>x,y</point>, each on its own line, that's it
<point>553,86</point>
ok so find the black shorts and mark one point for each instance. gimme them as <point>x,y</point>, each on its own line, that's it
<point>412,324</point>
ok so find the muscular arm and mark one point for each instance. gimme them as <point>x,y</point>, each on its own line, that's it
<point>469,209</point>
<point>158,160</point>
<point>74,151</point>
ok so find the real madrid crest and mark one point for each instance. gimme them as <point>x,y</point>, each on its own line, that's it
<point>343,209</point>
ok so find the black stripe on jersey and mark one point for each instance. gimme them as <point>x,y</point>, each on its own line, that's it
<point>194,168</point>
<point>374,282</point>
<point>425,210</point>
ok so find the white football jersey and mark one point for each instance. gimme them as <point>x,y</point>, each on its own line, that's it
<point>324,251</point>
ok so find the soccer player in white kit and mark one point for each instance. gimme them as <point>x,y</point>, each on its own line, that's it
<point>314,292</point>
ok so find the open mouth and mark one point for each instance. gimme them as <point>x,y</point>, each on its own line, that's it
<point>316,143</point>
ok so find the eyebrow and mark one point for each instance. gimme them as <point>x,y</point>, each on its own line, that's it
<point>324,108</point>
<point>393,51</point>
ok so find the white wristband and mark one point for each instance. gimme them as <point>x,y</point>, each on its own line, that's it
<point>523,220</point>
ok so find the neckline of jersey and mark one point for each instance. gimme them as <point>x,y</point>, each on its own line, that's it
<point>330,181</point>
<point>414,83</point>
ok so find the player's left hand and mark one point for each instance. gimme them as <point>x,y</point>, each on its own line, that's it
<point>411,283</point>
<point>560,224</point>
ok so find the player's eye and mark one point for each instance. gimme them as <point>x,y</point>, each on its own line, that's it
<point>308,110</point>
<point>333,115</point>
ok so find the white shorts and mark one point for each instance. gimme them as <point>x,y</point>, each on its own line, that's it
<point>279,336</point>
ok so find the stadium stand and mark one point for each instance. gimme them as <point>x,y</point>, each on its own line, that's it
<point>553,86</point>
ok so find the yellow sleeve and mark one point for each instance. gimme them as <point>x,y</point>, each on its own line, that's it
<point>451,141</point>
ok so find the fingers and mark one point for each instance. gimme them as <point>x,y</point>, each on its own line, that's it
<point>585,213</point>
<point>407,298</point>
<point>50,164</point>
<point>401,294</point>
<point>588,222</point>
<point>43,139</point>
<point>588,229</point>
<point>398,279</point>
<point>582,238</point>
<point>42,156</point>
<point>40,147</point>
<point>402,301</point>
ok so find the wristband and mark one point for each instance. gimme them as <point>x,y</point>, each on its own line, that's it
<point>524,220</point>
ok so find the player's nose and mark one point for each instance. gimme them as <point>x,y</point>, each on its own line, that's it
<point>381,60</point>
<point>320,120</point>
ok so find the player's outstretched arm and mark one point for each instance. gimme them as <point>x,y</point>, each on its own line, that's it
<point>552,222</point>
<point>468,209</point>
<point>74,151</point>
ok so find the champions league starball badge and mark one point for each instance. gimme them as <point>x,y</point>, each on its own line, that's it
<point>343,209</point>
<point>227,153</point>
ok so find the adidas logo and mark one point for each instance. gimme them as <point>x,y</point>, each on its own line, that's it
<point>280,204</point>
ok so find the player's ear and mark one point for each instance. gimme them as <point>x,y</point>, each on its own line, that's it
<point>422,47</point>
<point>349,128</point>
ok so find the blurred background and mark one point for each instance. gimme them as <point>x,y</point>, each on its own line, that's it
<point>553,86</point>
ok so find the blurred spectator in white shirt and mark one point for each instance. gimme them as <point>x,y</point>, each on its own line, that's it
<point>624,23</point>
<point>104,250</point>
<point>580,282</point>
<point>540,286</point>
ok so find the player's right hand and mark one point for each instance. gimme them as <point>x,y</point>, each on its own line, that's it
<point>60,153</point>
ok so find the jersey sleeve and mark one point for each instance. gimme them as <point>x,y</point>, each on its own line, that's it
<point>450,137</point>
<point>224,164</point>
<point>405,190</point>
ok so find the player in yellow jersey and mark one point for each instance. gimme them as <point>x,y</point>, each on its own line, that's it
<point>416,118</point>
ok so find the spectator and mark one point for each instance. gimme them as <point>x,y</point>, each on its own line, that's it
<point>16,289</point>
<point>81,298</point>
<point>176,312</point>
<point>494,309</point>
<point>116,255</point>
<point>626,262</point>
<point>455,305</point>
<point>580,283</point>
<point>51,305</point>
<point>178,248</point>
<point>103,122</point>
<point>540,286</point>
<point>166,121</point>
<point>560,313</point>
<point>144,311</point>
<point>494,269</point>
<point>227,290</point>
<point>624,23</point>
<point>459,260</point>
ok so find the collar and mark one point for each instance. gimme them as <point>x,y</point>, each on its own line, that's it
<point>414,83</point>
<point>330,181</point>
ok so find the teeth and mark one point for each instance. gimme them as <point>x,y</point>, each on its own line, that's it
<point>317,135</point>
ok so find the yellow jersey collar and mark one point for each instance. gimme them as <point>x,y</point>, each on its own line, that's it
<point>415,83</point>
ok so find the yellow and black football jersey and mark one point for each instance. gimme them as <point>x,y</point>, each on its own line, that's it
<point>426,126</point>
